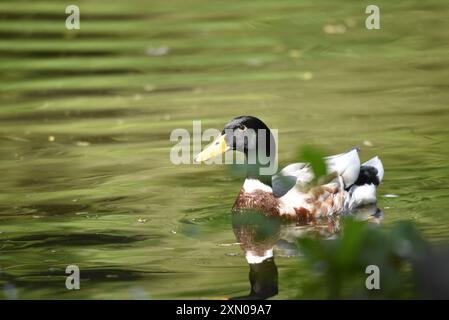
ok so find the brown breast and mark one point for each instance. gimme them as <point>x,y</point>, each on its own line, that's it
<point>257,200</point>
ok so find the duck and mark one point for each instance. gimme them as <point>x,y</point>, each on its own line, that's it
<point>292,193</point>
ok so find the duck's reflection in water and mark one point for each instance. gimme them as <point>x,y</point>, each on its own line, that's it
<point>259,236</point>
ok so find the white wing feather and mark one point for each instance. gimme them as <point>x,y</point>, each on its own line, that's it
<point>346,165</point>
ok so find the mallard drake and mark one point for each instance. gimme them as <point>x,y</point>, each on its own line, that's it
<point>289,193</point>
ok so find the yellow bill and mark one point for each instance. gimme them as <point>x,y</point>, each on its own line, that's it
<point>217,147</point>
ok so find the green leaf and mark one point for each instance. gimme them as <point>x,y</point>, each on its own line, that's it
<point>313,156</point>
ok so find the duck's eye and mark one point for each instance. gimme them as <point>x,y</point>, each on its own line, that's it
<point>242,127</point>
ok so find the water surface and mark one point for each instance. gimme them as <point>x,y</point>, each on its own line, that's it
<point>85,120</point>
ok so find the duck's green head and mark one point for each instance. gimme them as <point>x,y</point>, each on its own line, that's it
<point>246,134</point>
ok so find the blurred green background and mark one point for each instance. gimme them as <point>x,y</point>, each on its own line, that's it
<point>86,115</point>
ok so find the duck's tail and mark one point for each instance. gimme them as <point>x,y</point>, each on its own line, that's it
<point>363,191</point>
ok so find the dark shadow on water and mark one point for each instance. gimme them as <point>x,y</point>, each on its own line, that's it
<point>76,114</point>
<point>67,240</point>
<point>54,280</point>
<point>57,53</point>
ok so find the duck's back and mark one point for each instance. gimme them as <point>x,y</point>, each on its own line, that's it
<point>293,196</point>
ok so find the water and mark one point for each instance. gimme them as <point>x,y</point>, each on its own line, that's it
<point>86,116</point>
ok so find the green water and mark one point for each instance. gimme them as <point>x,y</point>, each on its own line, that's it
<point>86,115</point>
